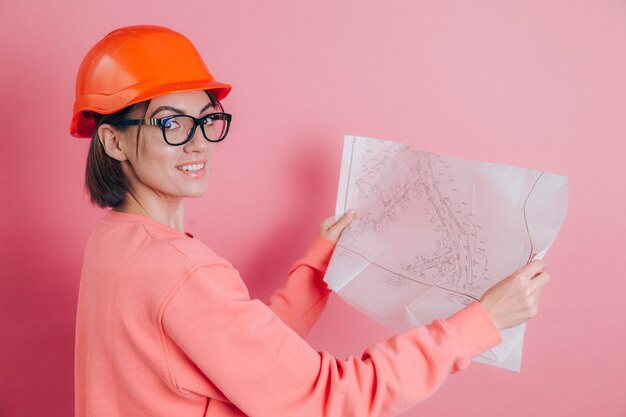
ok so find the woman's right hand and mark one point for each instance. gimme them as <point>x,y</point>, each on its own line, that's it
<point>515,299</point>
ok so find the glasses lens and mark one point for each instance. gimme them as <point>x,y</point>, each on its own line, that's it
<point>177,129</point>
<point>215,126</point>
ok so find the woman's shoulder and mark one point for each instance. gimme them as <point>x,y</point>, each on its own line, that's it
<point>147,238</point>
<point>196,251</point>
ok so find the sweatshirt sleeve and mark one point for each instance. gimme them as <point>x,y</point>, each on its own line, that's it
<point>265,369</point>
<point>301,300</point>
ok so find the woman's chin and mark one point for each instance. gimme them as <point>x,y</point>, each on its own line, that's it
<point>194,192</point>
<point>195,188</point>
<point>195,195</point>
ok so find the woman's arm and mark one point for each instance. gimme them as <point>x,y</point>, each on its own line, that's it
<point>302,299</point>
<point>265,369</point>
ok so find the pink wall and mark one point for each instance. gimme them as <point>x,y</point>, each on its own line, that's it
<point>540,84</point>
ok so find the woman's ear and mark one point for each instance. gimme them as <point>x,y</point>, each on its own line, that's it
<point>110,139</point>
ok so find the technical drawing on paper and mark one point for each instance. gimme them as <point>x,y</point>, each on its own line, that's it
<point>391,182</point>
<point>432,233</point>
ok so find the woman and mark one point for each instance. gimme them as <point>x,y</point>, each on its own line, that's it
<point>165,327</point>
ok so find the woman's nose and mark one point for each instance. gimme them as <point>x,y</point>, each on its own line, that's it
<point>198,142</point>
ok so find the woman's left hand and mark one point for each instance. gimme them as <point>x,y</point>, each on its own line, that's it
<point>331,229</point>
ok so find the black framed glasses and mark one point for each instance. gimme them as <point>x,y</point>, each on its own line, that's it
<point>178,129</point>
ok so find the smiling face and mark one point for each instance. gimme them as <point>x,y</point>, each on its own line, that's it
<point>157,170</point>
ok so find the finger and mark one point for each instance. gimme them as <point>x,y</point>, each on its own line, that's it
<point>535,308</point>
<point>328,222</point>
<point>345,219</point>
<point>533,268</point>
<point>539,280</point>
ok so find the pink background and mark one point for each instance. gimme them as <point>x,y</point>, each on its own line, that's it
<point>539,84</point>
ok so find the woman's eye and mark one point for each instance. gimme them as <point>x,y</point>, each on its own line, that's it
<point>208,121</point>
<point>170,124</point>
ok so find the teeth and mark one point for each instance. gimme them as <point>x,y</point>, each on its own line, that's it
<point>193,167</point>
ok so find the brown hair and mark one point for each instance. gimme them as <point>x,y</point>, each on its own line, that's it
<point>105,181</point>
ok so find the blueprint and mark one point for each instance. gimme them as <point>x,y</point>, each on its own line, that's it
<point>432,233</point>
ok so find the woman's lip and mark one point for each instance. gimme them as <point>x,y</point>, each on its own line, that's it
<point>199,173</point>
<point>195,174</point>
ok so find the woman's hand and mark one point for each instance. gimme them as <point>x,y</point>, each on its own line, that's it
<point>515,299</point>
<point>331,230</point>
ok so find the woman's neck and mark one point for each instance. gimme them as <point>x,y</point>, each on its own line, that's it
<point>169,213</point>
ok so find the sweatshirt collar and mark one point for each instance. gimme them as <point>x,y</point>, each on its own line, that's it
<point>117,216</point>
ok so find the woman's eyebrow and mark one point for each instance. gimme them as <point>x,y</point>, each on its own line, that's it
<point>174,109</point>
<point>179,111</point>
<point>205,108</point>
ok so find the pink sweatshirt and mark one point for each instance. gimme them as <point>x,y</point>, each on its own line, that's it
<point>165,327</point>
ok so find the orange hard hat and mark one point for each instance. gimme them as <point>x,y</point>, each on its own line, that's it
<point>133,64</point>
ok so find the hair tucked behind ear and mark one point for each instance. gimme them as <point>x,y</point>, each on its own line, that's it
<point>104,179</point>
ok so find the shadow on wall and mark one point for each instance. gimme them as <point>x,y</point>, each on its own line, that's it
<point>38,313</point>
<point>289,239</point>
<point>40,244</point>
